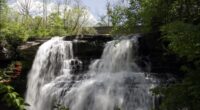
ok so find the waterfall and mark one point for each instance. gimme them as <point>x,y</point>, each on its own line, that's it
<point>112,82</point>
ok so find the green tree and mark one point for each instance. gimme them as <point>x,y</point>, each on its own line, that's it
<point>10,31</point>
<point>11,98</point>
<point>125,18</point>
<point>184,41</point>
<point>56,25</point>
<point>3,17</point>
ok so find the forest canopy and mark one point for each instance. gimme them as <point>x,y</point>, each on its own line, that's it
<point>73,18</point>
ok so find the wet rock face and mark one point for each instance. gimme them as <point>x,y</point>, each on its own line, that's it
<point>76,66</point>
<point>4,50</point>
<point>5,55</point>
<point>90,38</point>
<point>87,51</point>
<point>152,55</point>
<point>88,47</point>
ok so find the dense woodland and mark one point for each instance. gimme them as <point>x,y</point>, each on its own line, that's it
<point>178,21</point>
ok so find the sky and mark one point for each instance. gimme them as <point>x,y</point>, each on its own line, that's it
<point>96,8</point>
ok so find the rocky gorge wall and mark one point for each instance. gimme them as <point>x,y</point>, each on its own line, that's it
<point>151,51</point>
<point>152,55</point>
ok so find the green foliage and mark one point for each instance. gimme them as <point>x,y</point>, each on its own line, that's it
<point>125,18</point>
<point>156,13</point>
<point>15,31</point>
<point>3,16</point>
<point>184,39</point>
<point>9,96</point>
<point>56,25</point>
<point>10,27</point>
<point>38,30</point>
<point>152,14</point>
<point>12,98</point>
<point>76,21</point>
<point>117,15</point>
<point>5,74</point>
<point>21,26</point>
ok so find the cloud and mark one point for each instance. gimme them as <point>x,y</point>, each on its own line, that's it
<point>36,9</point>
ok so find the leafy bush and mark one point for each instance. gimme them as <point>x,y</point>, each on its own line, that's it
<point>12,98</point>
<point>9,96</point>
<point>184,39</point>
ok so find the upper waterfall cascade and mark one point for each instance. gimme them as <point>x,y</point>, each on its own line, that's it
<point>112,82</point>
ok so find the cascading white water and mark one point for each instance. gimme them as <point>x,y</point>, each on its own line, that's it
<point>113,82</point>
<point>51,61</point>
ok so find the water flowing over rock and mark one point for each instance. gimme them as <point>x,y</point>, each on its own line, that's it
<point>112,82</point>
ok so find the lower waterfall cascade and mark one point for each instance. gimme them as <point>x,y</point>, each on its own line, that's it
<point>113,82</point>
